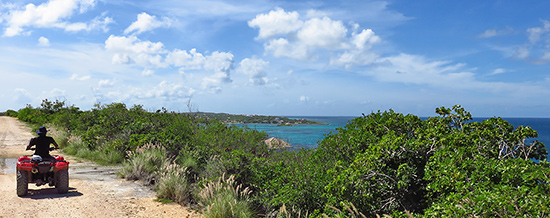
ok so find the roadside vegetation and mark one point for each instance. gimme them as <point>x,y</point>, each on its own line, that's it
<point>383,163</point>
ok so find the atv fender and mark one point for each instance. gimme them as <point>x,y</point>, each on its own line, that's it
<point>61,166</point>
<point>26,166</point>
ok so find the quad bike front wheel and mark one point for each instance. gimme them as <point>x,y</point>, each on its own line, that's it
<point>22,182</point>
<point>62,181</point>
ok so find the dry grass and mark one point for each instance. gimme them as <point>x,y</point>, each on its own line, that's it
<point>145,163</point>
<point>173,184</point>
<point>224,198</point>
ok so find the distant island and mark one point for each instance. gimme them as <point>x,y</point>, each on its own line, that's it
<point>241,119</point>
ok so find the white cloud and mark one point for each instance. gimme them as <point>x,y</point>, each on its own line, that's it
<point>498,71</point>
<point>283,48</point>
<point>521,53</point>
<point>323,33</point>
<point>535,33</point>
<point>166,91</point>
<point>96,23</point>
<point>354,57</point>
<point>413,69</point>
<point>86,4</point>
<point>51,14</point>
<point>304,98</point>
<point>132,44</point>
<point>490,33</point>
<point>146,22</point>
<point>80,78</point>
<point>151,55</point>
<point>186,60</point>
<point>43,42</point>
<point>365,39</point>
<point>255,68</point>
<point>277,22</point>
<point>417,70</point>
<point>286,35</point>
<point>57,93</point>
<point>147,72</point>
<point>538,45</point>
<point>359,54</point>
<point>128,49</point>
<point>106,83</point>
<point>221,63</point>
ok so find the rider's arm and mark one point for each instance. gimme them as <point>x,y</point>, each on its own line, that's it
<point>30,144</point>
<point>55,144</point>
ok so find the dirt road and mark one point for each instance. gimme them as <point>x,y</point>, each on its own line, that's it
<point>94,191</point>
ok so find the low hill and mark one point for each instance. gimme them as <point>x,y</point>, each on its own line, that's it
<point>237,118</point>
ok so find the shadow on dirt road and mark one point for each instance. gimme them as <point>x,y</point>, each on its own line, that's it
<point>50,193</point>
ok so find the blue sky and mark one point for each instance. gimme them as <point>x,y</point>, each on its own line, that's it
<point>339,58</point>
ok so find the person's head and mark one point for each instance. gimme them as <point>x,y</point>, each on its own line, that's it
<point>41,131</point>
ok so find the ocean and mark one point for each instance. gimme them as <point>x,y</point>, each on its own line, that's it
<point>308,136</point>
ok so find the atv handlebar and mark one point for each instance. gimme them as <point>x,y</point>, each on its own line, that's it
<point>51,149</point>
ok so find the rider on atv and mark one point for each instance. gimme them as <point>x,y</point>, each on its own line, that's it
<point>42,143</point>
<point>42,168</point>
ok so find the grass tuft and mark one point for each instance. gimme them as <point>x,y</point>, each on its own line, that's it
<point>224,198</point>
<point>144,164</point>
<point>173,184</point>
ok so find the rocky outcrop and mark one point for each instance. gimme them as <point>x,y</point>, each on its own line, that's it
<point>275,143</point>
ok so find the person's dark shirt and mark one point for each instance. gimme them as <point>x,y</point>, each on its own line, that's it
<point>42,145</point>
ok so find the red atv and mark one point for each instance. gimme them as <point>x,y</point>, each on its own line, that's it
<point>34,169</point>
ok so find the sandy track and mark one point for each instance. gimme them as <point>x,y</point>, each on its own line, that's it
<point>94,191</point>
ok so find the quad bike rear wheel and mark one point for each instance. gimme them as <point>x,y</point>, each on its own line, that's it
<point>62,181</point>
<point>22,182</point>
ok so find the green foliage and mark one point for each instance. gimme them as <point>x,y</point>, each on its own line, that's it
<point>389,163</point>
<point>10,113</point>
<point>380,163</point>
<point>492,188</point>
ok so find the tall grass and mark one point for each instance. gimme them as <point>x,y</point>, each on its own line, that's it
<point>173,184</point>
<point>223,198</point>
<point>145,163</point>
<point>151,164</point>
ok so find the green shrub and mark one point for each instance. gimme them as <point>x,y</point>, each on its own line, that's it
<point>214,168</point>
<point>10,113</point>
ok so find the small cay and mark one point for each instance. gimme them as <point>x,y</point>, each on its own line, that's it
<point>275,143</point>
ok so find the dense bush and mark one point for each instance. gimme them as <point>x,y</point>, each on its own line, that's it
<point>380,163</point>
<point>9,113</point>
<point>390,163</point>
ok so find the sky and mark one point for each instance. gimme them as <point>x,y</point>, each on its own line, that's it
<point>267,57</point>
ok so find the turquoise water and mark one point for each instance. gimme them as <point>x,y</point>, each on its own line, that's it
<point>308,136</point>
<point>302,136</point>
